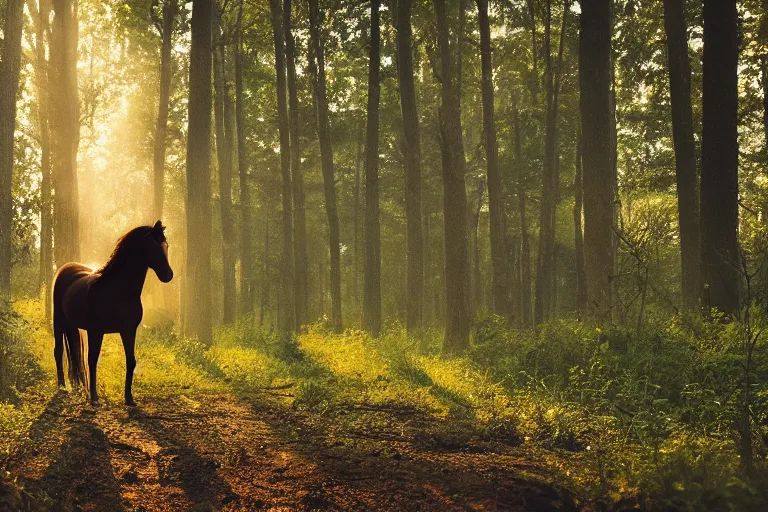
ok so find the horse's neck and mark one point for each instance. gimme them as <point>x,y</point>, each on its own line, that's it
<point>131,279</point>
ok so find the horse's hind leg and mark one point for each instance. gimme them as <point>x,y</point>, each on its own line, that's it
<point>94,349</point>
<point>129,344</point>
<point>58,348</point>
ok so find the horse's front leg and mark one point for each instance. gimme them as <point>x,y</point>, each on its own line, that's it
<point>129,344</point>
<point>94,349</point>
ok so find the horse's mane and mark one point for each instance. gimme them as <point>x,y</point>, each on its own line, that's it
<point>123,250</point>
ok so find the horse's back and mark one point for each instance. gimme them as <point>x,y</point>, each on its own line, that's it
<point>66,276</point>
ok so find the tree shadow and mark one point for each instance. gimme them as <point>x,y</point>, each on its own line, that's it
<point>371,466</point>
<point>180,465</point>
<point>81,472</point>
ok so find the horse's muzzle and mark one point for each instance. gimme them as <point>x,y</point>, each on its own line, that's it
<point>166,277</point>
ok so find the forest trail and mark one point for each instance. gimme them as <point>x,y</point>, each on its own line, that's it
<point>216,451</point>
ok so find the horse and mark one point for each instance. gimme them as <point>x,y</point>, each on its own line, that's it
<point>105,301</point>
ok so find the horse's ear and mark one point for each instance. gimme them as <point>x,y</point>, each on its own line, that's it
<point>158,225</point>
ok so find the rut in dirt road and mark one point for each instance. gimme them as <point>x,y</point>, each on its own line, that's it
<point>215,452</point>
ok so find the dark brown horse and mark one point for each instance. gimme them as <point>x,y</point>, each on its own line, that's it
<point>104,302</point>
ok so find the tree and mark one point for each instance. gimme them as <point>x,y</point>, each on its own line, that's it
<point>685,148</point>
<point>578,202</point>
<point>317,73</point>
<point>499,285</point>
<point>454,194</point>
<point>10,68</point>
<point>372,262</point>
<point>525,245</point>
<point>720,156</point>
<point>598,163</point>
<point>224,153</point>
<point>198,283</point>
<point>41,21</point>
<point>412,159</point>
<point>65,127</point>
<point>158,161</point>
<point>545,277</point>
<point>287,305</point>
<point>246,268</point>
<point>297,182</point>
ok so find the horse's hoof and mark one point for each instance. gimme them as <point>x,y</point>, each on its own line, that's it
<point>62,389</point>
<point>95,403</point>
<point>129,402</point>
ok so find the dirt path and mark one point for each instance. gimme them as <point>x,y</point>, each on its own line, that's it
<point>219,452</point>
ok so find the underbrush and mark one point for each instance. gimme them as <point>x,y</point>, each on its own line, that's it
<point>19,370</point>
<point>652,416</point>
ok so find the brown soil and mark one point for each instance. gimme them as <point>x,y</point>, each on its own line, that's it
<point>221,452</point>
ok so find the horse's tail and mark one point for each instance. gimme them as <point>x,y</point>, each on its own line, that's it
<point>68,339</point>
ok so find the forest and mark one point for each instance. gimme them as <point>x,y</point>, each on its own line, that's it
<point>384,255</point>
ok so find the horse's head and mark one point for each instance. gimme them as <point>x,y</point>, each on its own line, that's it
<point>156,252</point>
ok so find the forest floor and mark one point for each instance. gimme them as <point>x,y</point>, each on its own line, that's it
<point>216,452</point>
<point>198,440</point>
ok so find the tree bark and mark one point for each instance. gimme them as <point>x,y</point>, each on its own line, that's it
<point>65,128</point>
<point>42,34</point>
<point>246,267</point>
<point>596,128</point>
<point>372,263</point>
<point>224,153</point>
<point>287,309</point>
<point>10,68</point>
<point>578,191</point>
<point>720,158</point>
<point>545,276</point>
<point>499,285</point>
<point>301,270</point>
<point>198,320</point>
<point>412,159</point>
<point>525,245</point>
<point>454,195</point>
<point>158,160</point>
<point>317,72</point>
<point>685,148</point>
<point>477,275</point>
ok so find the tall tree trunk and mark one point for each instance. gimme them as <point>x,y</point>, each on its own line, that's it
<point>265,287</point>
<point>454,195</point>
<point>372,263</point>
<point>198,288</point>
<point>224,153</point>
<point>356,215</point>
<point>720,156</point>
<point>596,127</point>
<point>545,276</point>
<point>42,33</point>
<point>477,276</point>
<point>525,244</point>
<point>578,190</point>
<point>414,319</point>
<point>158,160</point>
<point>301,271</point>
<point>534,80</point>
<point>65,128</point>
<point>287,307</point>
<point>246,267</point>
<point>317,71</point>
<point>10,67</point>
<point>685,148</point>
<point>499,285</point>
